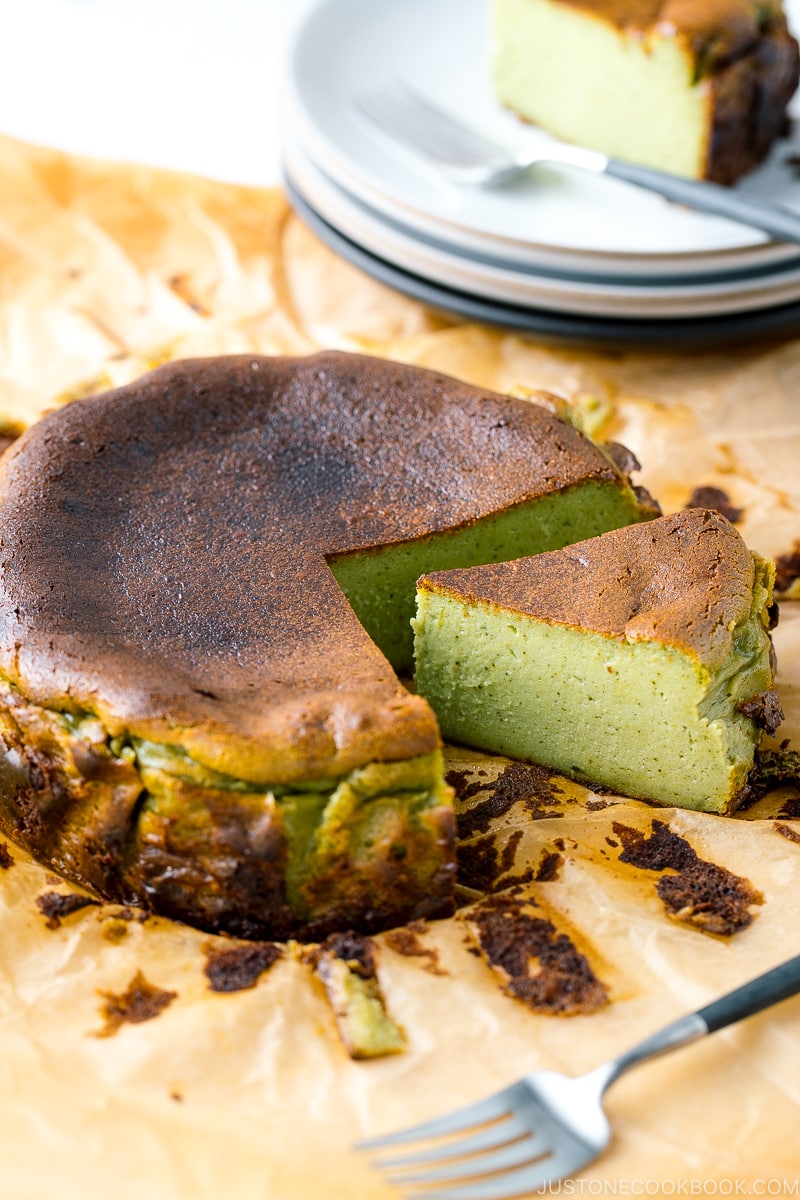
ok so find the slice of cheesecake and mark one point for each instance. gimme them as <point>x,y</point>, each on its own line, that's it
<point>697,89</point>
<point>639,660</point>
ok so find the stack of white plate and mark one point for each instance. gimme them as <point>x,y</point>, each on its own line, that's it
<point>559,252</point>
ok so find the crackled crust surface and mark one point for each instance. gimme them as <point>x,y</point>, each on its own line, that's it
<point>717,30</point>
<point>685,580</point>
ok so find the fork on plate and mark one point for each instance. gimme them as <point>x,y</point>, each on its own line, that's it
<point>547,1126</point>
<point>467,157</point>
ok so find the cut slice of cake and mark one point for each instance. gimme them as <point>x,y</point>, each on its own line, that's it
<point>639,660</point>
<point>695,89</point>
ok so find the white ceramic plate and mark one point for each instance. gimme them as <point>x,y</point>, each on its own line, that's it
<point>391,242</point>
<point>563,218</point>
<point>569,328</point>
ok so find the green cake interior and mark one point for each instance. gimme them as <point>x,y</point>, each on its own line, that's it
<point>380,584</point>
<point>640,717</point>
<point>577,75</point>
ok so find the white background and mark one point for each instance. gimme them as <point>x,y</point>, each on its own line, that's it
<point>193,84</point>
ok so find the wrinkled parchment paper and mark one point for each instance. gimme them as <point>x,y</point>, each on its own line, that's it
<point>107,270</point>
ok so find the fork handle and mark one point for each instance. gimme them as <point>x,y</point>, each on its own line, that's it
<point>779,223</point>
<point>752,997</point>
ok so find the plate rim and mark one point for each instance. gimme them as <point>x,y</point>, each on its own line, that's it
<point>692,301</point>
<point>628,333</point>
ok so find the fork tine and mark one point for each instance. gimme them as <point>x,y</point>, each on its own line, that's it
<point>429,111</point>
<point>489,1109</point>
<point>411,118</point>
<point>516,1183</point>
<point>515,1155</point>
<point>393,115</point>
<point>486,1139</point>
<point>423,138</point>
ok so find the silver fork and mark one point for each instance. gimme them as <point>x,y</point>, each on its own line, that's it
<point>547,1126</point>
<point>467,157</point>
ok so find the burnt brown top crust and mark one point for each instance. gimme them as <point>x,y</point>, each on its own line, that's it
<point>719,30</point>
<point>666,564</point>
<point>164,548</point>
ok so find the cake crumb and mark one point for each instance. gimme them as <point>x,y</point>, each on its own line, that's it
<point>787,831</point>
<point>790,809</point>
<point>549,866</point>
<point>787,572</point>
<point>545,871</point>
<point>141,1001</point>
<point>7,859</point>
<point>539,964</point>
<point>346,965</point>
<point>524,783</point>
<point>623,457</point>
<point>235,968</point>
<point>55,906</point>
<point>484,868</point>
<point>764,708</point>
<point>509,852</point>
<point>406,941</point>
<point>708,496</point>
<point>478,863</point>
<point>353,948</point>
<point>700,894</point>
<point>464,786</point>
<point>771,769</point>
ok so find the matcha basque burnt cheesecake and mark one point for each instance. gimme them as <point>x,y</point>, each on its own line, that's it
<point>639,660</point>
<point>207,584</point>
<point>694,87</point>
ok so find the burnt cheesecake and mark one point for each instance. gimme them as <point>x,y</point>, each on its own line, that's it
<point>207,584</point>
<point>639,660</point>
<point>694,87</point>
